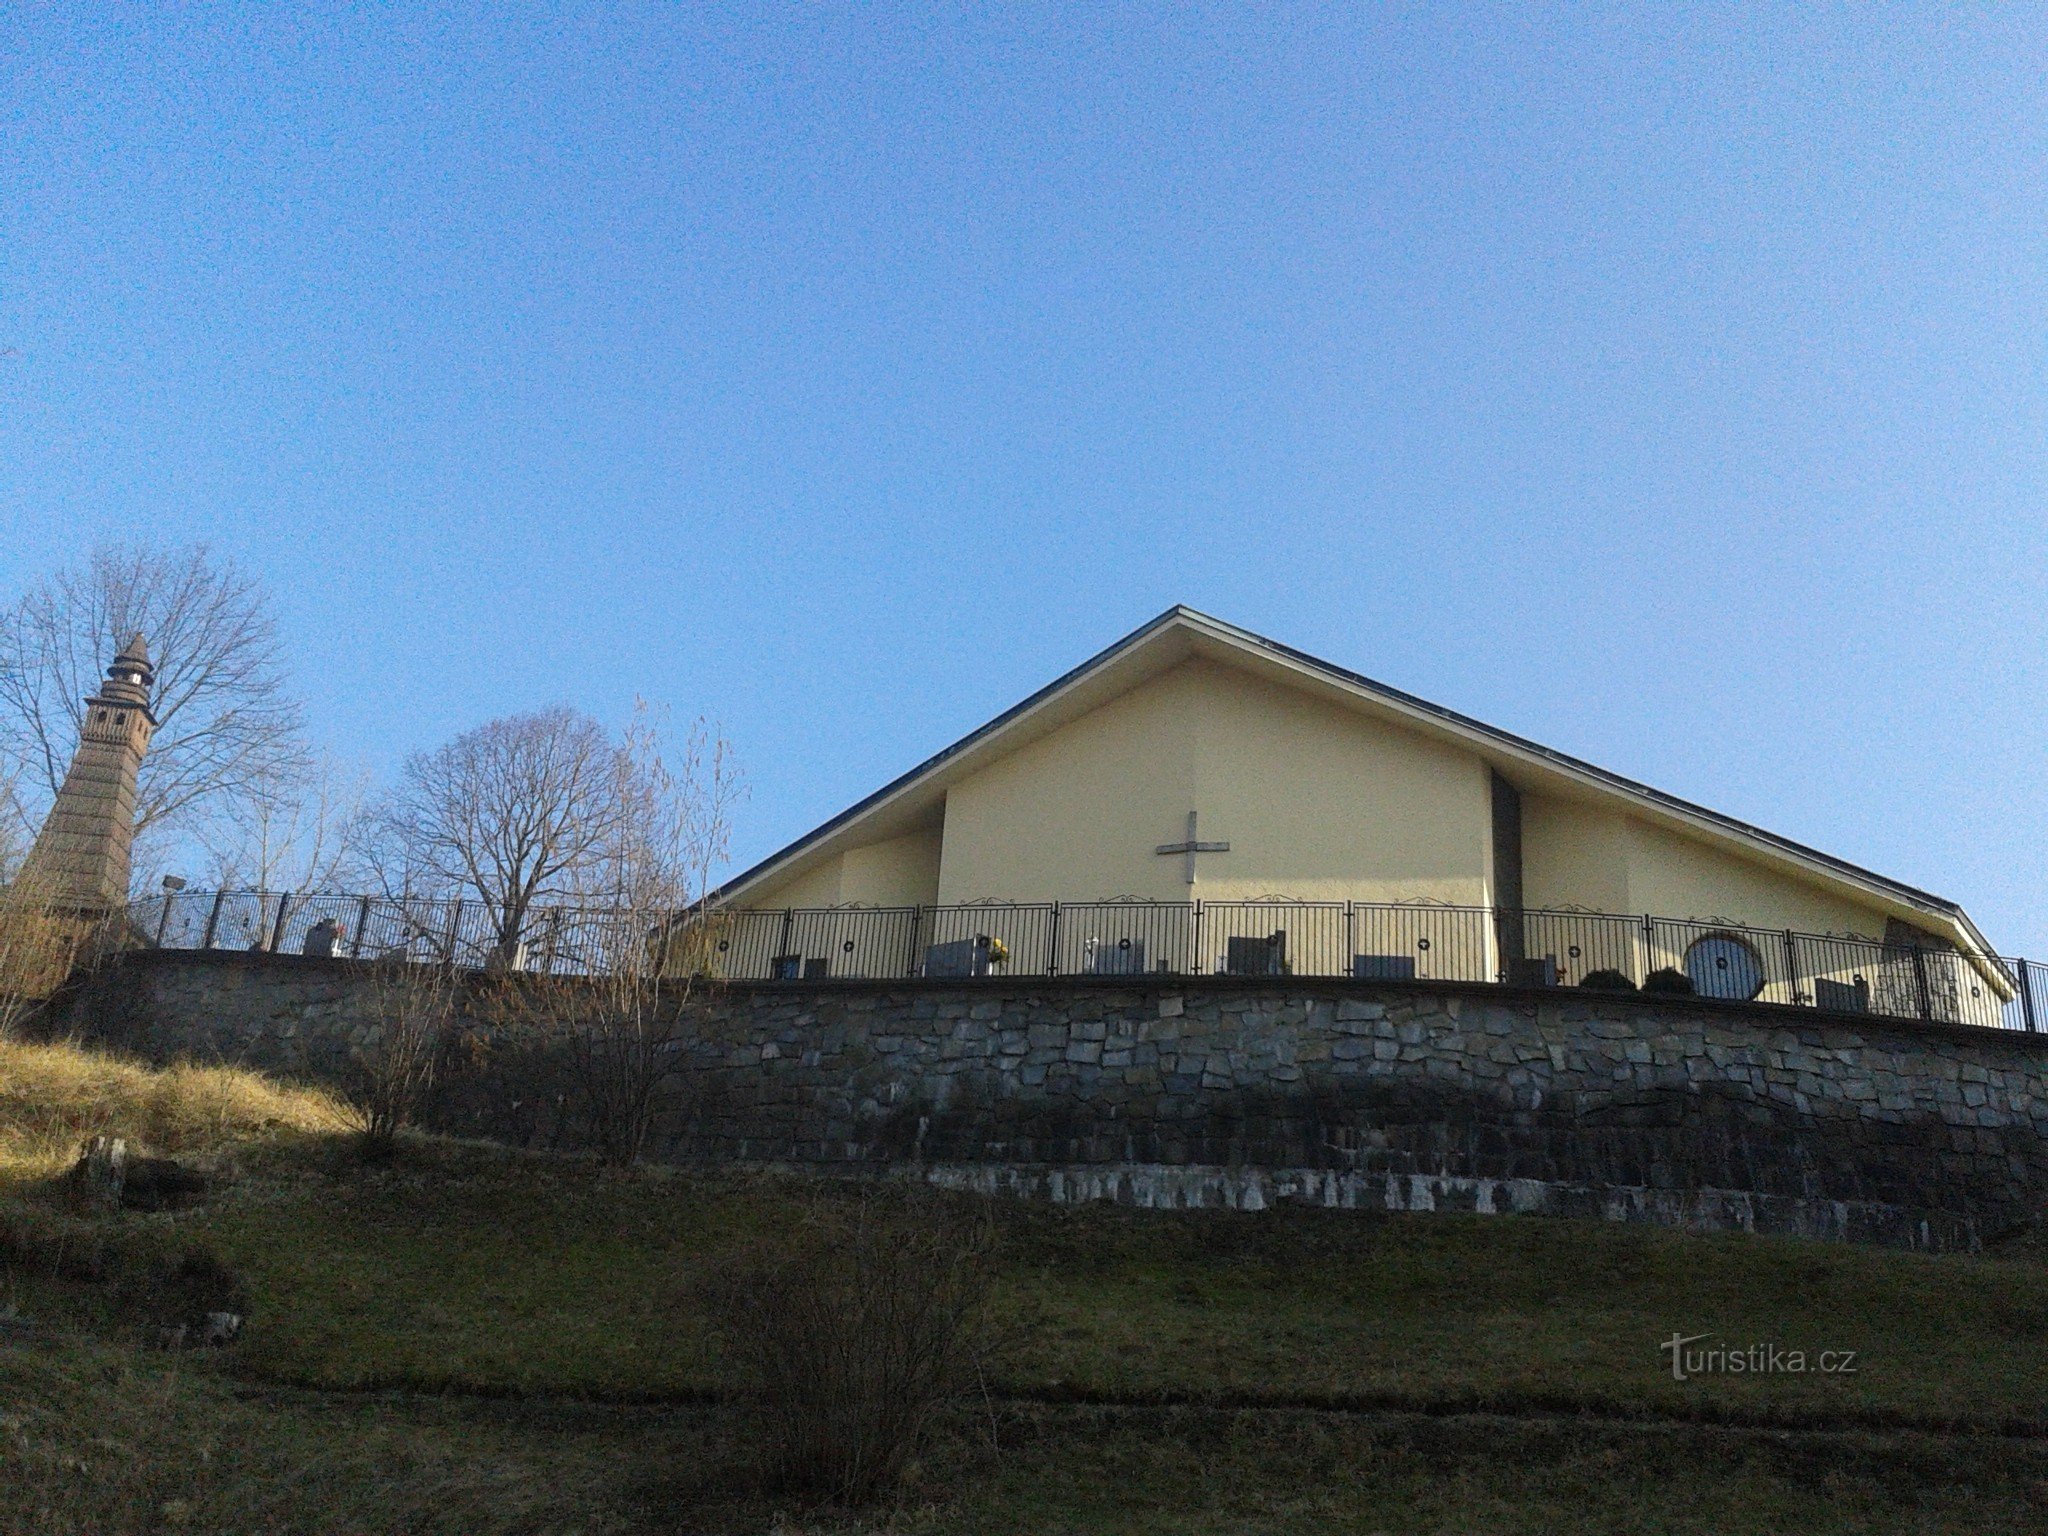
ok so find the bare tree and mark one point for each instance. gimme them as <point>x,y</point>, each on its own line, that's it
<point>616,1018</point>
<point>521,808</point>
<point>225,722</point>
<point>304,832</point>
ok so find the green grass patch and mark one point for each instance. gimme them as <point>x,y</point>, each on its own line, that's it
<point>120,1443</point>
<point>115,1441</point>
<point>490,1271</point>
<point>476,1340</point>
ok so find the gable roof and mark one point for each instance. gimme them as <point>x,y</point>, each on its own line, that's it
<point>1182,632</point>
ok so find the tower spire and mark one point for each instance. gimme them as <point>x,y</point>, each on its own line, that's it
<point>80,857</point>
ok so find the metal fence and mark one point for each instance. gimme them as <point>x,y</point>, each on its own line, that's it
<point>563,940</point>
<point>1371,941</point>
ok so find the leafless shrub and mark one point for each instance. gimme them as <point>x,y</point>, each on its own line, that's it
<point>618,1024</point>
<point>392,1073</point>
<point>40,942</point>
<point>850,1332</point>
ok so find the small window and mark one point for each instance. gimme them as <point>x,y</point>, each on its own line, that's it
<point>1721,965</point>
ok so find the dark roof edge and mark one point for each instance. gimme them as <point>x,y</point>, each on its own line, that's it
<point>1592,770</point>
<point>1073,674</point>
<point>1249,638</point>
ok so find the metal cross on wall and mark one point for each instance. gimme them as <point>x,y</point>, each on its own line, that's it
<point>1192,846</point>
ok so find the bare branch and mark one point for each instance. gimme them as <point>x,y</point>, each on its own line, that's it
<point>662,832</point>
<point>295,833</point>
<point>391,1072</point>
<point>520,808</point>
<point>226,726</point>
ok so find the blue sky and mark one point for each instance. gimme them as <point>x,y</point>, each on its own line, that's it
<point>1666,386</point>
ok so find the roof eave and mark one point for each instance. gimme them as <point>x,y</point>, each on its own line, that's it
<point>1516,748</point>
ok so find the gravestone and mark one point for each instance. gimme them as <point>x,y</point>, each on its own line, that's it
<point>1256,956</point>
<point>1841,996</point>
<point>1126,957</point>
<point>961,957</point>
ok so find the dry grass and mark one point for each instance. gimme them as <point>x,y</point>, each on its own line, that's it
<point>53,1097</point>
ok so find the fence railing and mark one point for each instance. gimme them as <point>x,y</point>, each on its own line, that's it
<point>476,934</point>
<point>1373,941</point>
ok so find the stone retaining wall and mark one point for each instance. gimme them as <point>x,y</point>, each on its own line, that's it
<point>1243,1092</point>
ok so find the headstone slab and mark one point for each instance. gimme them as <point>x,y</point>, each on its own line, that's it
<point>960,957</point>
<point>1124,957</point>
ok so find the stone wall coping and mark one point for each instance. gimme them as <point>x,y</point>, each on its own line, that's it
<point>1761,1015</point>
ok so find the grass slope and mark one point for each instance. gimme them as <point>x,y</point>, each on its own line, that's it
<point>482,1270</point>
<point>1292,1371</point>
<point>109,1442</point>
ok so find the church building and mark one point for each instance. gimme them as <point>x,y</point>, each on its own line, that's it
<point>1193,761</point>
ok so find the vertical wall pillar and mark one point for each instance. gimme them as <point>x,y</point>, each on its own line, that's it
<point>1507,872</point>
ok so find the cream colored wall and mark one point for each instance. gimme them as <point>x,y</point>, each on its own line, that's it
<point>897,872</point>
<point>1318,803</point>
<point>1075,815</point>
<point>1324,804</point>
<point>1576,854</point>
<point>1670,875</point>
<point>902,872</point>
<point>818,887</point>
